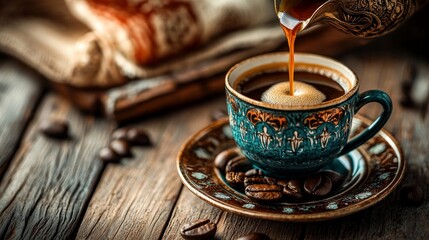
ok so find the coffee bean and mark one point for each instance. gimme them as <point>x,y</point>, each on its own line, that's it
<point>291,188</point>
<point>138,137</point>
<point>411,195</point>
<point>238,164</point>
<point>199,229</point>
<point>53,127</point>
<point>218,114</point>
<point>259,180</point>
<point>264,192</point>
<point>408,81</point>
<point>318,185</point>
<point>224,157</point>
<point>108,155</point>
<point>235,178</point>
<point>262,188</point>
<point>121,148</point>
<point>254,172</point>
<point>254,236</point>
<point>335,177</point>
<point>120,134</point>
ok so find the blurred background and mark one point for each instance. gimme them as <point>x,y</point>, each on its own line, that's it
<point>127,60</point>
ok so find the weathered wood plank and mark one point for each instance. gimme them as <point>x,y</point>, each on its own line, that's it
<point>189,208</point>
<point>135,199</point>
<point>19,92</point>
<point>232,226</point>
<point>229,226</point>
<point>49,183</point>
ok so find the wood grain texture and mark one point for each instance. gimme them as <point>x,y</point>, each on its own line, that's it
<point>19,92</point>
<point>190,208</point>
<point>135,199</point>
<point>229,226</point>
<point>48,185</point>
<point>232,226</point>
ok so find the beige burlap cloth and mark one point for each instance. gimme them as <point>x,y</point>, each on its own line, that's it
<point>129,58</point>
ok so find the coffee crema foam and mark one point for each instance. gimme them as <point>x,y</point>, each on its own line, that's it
<point>304,94</point>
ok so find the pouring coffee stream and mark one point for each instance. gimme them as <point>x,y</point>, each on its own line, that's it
<point>365,19</point>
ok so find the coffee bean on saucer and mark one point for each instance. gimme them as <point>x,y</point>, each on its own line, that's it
<point>317,185</point>
<point>108,155</point>
<point>335,177</point>
<point>138,137</point>
<point>238,164</point>
<point>235,178</point>
<point>120,134</point>
<point>54,127</point>
<point>291,188</point>
<point>217,114</point>
<point>199,229</point>
<point>254,172</point>
<point>259,180</point>
<point>411,195</point>
<point>224,157</point>
<point>121,148</point>
<point>254,236</point>
<point>264,192</point>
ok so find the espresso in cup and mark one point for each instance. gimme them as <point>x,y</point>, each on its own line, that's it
<point>284,134</point>
<point>273,87</point>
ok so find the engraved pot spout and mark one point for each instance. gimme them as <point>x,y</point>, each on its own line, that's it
<point>365,18</point>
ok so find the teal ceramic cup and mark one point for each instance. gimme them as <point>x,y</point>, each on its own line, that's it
<point>298,140</point>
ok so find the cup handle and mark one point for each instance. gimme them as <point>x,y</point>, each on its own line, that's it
<point>370,96</point>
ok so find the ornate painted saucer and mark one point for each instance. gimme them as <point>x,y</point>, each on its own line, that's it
<point>370,173</point>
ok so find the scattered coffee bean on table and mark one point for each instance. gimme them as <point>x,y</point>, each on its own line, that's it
<point>408,80</point>
<point>108,155</point>
<point>54,127</point>
<point>254,236</point>
<point>411,195</point>
<point>199,229</point>
<point>138,137</point>
<point>121,148</point>
<point>120,134</point>
<point>135,136</point>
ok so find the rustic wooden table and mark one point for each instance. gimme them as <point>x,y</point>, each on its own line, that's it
<point>55,189</point>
